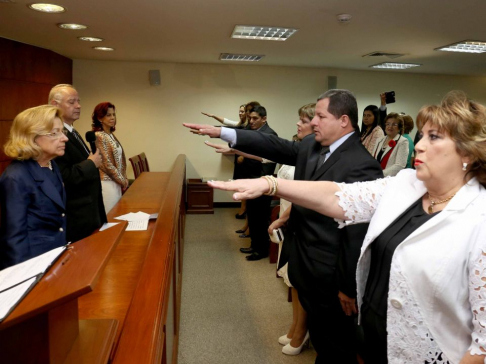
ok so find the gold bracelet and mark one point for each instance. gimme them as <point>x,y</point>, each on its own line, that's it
<point>273,185</point>
<point>270,185</point>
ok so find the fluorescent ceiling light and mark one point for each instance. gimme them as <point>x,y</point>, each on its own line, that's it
<point>395,66</point>
<point>72,26</point>
<point>106,49</point>
<point>47,8</point>
<point>467,46</point>
<point>91,39</point>
<point>262,33</point>
<point>240,57</point>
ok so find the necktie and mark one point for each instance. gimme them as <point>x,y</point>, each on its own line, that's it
<point>322,156</point>
<point>80,140</point>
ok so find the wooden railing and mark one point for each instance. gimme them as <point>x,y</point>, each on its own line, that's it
<point>151,327</point>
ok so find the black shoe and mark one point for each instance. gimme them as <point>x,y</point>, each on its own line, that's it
<point>246,250</point>
<point>243,236</point>
<point>256,256</point>
<point>241,231</point>
<point>242,216</point>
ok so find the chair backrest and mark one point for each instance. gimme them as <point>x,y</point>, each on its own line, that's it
<point>144,162</point>
<point>135,162</point>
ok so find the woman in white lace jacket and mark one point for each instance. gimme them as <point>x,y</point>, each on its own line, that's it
<point>435,300</point>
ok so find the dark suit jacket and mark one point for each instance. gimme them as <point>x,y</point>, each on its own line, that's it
<point>323,258</point>
<point>251,168</point>
<point>33,213</point>
<point>85,209</point>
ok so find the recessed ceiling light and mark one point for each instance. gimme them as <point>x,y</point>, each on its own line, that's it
<point>467,46</point>
<point>240,57</point>
<point>91,39</point>
<point>47,8</point>
<point>72,26</point>
<point>395,66</point>
<point>106,49</point>
<point>262,33</point>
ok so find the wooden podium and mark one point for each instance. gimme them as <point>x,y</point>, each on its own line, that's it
<point>44,327</point>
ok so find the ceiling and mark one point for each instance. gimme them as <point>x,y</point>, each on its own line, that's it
<point>197,31</point>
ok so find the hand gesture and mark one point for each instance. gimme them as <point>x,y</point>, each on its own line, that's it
<point>211,131</point>
<point>220,148</point>
<point>247,189</point>
<point>383,99</point>
<point>276,224</point>
<point>207,114</point>
<point>348,304</point>
<point>96,158</point>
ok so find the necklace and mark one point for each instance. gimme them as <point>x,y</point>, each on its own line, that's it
<point>433,203</point>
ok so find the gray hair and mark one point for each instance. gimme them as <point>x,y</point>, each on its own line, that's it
<point>56,92</point>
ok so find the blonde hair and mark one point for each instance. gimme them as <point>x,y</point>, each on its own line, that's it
<point>26,127</point>
<point>57,92</point>
<point>464,121</point>
<point>308,110</point>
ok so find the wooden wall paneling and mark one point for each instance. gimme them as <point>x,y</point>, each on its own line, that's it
<point>27,74</point>
<point>21,95</point>
<point>24,62</point>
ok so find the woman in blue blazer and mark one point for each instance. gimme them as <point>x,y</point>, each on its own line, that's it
<point>33,200</point>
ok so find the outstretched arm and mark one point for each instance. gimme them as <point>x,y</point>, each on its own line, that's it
<point>221,148</point>
<point>219,118</point>
<point>317,195</point>
<point>209,130</point>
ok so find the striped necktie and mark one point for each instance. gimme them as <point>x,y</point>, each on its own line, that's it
<point>80,140</point>
<point>322,157</point>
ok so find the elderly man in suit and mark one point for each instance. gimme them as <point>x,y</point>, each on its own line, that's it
<point>79,170</point>
<point>258,209</point>
<point>323,258</point>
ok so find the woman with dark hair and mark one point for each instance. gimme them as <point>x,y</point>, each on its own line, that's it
<point>370,129</point>
<point>32,193</point>
<point>392,150</point>
<point>421,276</point>
<point>113,169</point>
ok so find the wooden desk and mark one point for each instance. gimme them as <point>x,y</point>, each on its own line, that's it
<point>140,286</point>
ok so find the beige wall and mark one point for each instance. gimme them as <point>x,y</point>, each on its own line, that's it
<point>150,117</point>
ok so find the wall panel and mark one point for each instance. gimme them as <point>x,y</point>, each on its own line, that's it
<point>27,73</point>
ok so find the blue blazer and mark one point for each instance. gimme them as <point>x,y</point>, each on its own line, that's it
<point>33,219</point>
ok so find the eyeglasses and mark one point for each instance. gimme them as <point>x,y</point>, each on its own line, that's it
<point>56,135</point>
<point>388,124</point>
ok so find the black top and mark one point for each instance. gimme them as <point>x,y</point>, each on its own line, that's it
<point>382,250</point>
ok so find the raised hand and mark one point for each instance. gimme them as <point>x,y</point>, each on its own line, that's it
<point>246,189</point>
<point>211,131</point>
<point>220,148</point>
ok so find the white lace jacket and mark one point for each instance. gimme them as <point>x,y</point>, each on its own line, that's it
<point>437,293</point>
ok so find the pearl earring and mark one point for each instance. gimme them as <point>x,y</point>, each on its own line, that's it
<point>464,166</point>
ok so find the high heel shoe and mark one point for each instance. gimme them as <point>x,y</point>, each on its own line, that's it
<point>241,231</point>
<point>284,340</point>
<point>290,350</point>
<point>241,216</point>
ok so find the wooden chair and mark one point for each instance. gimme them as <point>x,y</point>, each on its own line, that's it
<point>135,161</point>
<point>144,162</point>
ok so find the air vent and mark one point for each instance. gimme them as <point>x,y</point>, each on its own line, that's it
<point>240,57</point>
<point>384,54</point>
<point>7,1</point>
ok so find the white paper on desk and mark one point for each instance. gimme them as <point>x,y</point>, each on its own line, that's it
<point>134,216</point>
<point>12,275</point>
<point>9,298</point>
<point>108,225</point>
<point>137,225</point>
